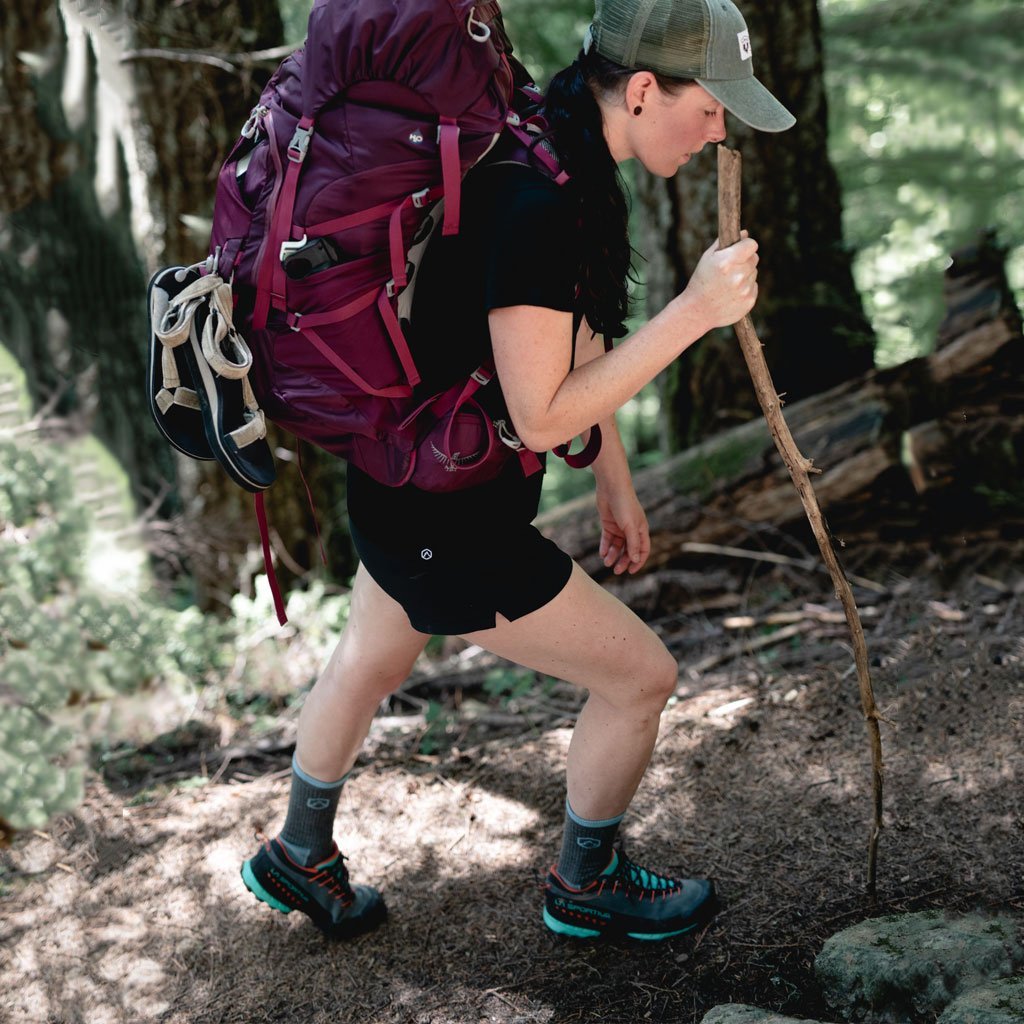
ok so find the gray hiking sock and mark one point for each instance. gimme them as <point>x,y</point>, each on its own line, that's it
<point>586,848</point>
<point>308,832</point>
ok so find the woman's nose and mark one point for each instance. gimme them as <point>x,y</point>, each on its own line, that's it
<point>716,131</point>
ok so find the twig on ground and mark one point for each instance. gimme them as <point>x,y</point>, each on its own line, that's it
<point>738,650</point>
<point>699,548</point>
<point>812,613</point>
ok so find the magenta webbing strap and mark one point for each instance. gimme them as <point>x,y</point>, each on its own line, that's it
<point>399,391</point>
<point>397,244</point>
<point>351,220</point>
<point>528,461</point>
<point>312,504</point>
<point>281,225</point>
<point>451,173</point>
<point>472,386</point>
<point>412,375</point>
<point>268,558</point>
<point>302,321</point>
<point>280,230</point>
<point>590,452</point>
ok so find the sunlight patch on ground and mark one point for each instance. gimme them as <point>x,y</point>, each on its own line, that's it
<point>719,706</point>
<point>425,819</point>
<point>139,981</point>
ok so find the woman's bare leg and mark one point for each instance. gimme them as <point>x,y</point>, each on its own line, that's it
<point>587,637</point>
<point>374,656</point>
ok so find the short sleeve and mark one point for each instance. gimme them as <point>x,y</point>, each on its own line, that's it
<point>531,257</point>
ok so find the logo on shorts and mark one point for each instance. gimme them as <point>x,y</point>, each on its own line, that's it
<point>745,51</point>
<point>588,843</point>
<point>426,554</point>
<point>318,803</point>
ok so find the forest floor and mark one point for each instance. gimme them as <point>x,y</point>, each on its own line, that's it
<point>132,909</point>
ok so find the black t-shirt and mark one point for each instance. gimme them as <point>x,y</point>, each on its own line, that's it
<point>517,245</point>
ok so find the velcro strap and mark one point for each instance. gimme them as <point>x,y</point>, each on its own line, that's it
<point>175,324</point>
<point>225,350</point>
<point>254,429</point>
<point>185,397</point>
<point>164,400</point>
<point>169,368</point>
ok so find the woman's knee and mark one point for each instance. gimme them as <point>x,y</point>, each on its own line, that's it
<point>648,683</point>
<point>662,676</point>
<point>369,669</point>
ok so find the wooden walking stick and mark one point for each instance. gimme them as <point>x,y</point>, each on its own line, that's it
<point>729,177</point>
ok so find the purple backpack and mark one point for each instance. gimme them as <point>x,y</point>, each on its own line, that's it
<point>353,157</point>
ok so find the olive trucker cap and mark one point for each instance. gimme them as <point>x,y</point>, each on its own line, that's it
<point>706,40</point>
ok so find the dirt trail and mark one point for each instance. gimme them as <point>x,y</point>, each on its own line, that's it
<point>137,913</point>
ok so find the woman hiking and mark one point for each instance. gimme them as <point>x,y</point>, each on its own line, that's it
<point>652,83</point>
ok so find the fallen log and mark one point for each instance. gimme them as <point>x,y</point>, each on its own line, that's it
<point>927,448</point>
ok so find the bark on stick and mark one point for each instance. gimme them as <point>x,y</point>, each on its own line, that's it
<point>800,468</point>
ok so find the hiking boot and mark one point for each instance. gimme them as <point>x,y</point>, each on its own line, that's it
<point>322,892</point>
<point>628,900</point>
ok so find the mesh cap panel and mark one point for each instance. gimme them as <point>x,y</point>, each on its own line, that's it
<point>667,36</point>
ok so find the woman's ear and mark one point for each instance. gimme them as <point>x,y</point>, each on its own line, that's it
<point>638,89</point>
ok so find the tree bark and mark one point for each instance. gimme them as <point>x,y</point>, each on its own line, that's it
<point>111,173</point>
<point>809,315</point>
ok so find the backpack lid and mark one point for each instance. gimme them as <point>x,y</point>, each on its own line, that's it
<point>431,46</point>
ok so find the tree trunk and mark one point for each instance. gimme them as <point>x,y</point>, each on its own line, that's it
<point>111,173</point>
<point>930,449</point>
<point>808,314</point>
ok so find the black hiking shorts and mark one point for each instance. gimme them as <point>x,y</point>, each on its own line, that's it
<point>450,584</point>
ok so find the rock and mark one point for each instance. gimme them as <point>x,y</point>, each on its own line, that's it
<point>892,967</point>
<point>999,1003</point>
<point>738,1013</point>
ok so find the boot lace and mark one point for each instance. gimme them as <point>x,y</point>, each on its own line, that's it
<point>645,880</point>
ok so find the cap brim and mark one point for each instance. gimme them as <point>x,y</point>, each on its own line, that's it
<point>751,102</point>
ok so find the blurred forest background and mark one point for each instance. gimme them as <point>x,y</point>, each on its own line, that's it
<point>131,589</point>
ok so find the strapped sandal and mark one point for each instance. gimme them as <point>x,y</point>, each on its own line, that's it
<point>198,320</point>
<point>172,396</point>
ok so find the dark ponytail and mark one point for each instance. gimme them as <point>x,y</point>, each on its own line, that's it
<point>573,113</point>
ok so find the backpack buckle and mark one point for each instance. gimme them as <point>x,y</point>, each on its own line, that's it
<point>419,199</point>
<point>287,248</point>
<point>481,377</point>
<point>299,144</point>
